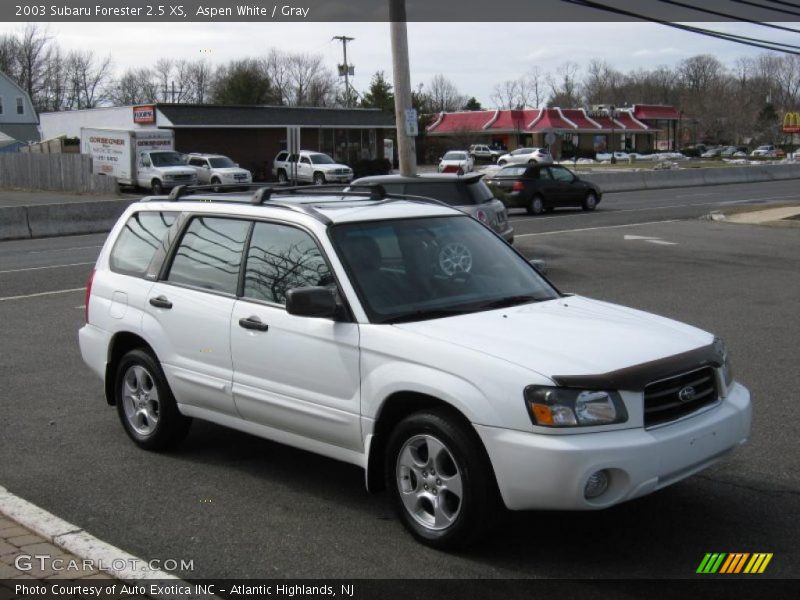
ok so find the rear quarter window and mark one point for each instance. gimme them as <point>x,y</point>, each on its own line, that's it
<point>137,243</point>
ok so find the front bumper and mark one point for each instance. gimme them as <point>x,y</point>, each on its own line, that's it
<point>540,471</point>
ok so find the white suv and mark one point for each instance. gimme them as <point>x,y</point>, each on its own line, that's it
<point>217,169</point>
<point>407,338</point>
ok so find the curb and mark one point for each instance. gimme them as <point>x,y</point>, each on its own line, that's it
<point>76,540</point>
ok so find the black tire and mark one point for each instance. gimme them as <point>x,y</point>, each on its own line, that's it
<point>479,504</point>
<point>216,183</point>
<point>535,206</point>
<point>501,163</point>
<point>157,187</point>
<point>319,178</point>
<point>282,177</point>
<point>590,202</point>
<point>170,427</point>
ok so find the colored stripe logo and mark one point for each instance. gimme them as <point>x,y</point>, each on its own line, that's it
<point>734,563</point>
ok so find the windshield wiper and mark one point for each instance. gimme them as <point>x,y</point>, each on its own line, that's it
<point>510,301</point>
<point>424,314</point>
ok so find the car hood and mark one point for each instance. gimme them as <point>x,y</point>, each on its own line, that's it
<point>567,336</point>
<point>178,170</point>
<point>453,161</point>
<point>330,167</point>
<point>232,170</point>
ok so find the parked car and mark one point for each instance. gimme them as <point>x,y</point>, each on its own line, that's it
<point>310,167</point>
<point>456,161</point>
<point>526,155</point>
<point>405,338</point>
<point>767,151</point>
<point>538,188</point>
<point>728,151</point>
<point>712,152</point>
<point>468,194</point>
<point>484,152</point>
<point>218,169</point>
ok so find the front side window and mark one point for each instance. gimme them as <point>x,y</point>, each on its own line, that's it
<point>138,242</point>
<point>562,174</point>
<point>280,258</point>
<point>426,268</point>
<point>210,254</point>
<point>197,162</point>
<point>322,159</point>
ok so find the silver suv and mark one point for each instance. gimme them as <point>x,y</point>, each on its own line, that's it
<point>467,193</point>
<point>216,169</point>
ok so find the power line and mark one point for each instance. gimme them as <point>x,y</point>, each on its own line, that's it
<point>729,16</point>
<point>792,4</point>
<point>772,8</point>
<point>738,39</point>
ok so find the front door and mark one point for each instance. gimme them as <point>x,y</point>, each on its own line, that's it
<point>296,374</point>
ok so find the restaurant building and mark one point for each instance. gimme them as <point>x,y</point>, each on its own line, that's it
<point>566,131</point>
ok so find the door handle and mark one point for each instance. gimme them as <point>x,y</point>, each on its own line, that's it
<point>253,323</point>
<point>160,302</point>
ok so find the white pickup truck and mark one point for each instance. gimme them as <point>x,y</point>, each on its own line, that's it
<point>137,157</point>
<point>311,167</point>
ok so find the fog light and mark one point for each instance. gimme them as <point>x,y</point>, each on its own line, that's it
<point>596,485</point>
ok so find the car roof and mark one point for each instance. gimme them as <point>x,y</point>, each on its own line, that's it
<point>421,178</point>
<point>320,206</point>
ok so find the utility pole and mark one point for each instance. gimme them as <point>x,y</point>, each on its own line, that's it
<point>406,150</point>
<point>345,68</point>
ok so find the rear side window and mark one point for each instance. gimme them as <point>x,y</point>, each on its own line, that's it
<point>136,245</point>
<point>210,254</point>
<point>281,258</point>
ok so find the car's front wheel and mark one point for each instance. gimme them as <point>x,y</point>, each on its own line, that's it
<point>157,187</point>
<point>282,177</point>
<point>319,178</point>
<point>145,404</point>
<point>440,479</point>
<point>501,163</point>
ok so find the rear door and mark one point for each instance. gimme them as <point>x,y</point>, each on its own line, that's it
<point>188,312</point>
<point>296,374</point>
<point>570,191</point>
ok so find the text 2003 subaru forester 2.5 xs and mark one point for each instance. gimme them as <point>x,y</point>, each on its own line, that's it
<point>407,338</point>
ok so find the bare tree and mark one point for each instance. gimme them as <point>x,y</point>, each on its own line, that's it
<point>8,55</point>
<point>564,85</point>
<point>33,53</point>
<point>87,76</point>
<point>443,95</point>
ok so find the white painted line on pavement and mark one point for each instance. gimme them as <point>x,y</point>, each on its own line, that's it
<point>77,541</point>
<point>81,289</point>
<point>61,249</point>
<point>594,228</point>
<point>82,264</point>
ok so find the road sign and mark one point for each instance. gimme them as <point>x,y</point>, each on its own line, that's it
<point>412,127</point>
<point>550,137</point>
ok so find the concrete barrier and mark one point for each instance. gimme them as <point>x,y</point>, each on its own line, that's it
<point>14,223</point>
<point>677,178</point>
<point>46,220</point>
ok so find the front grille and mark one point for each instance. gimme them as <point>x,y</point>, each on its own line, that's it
<point>183,177</point>
<point>673,398</point>
<point>340,171</point>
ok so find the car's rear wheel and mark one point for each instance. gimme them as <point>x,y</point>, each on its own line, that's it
<point>590,202</point>
<point>145,404</point>
<point>536,206</point>
<point>440,479</point>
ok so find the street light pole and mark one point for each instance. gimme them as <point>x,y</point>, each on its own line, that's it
<point>611,113</point>
<point>406,151</point>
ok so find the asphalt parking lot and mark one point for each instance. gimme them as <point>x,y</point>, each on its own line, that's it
<point>245,507</point>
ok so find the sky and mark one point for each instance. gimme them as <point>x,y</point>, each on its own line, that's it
<point>475,56</point>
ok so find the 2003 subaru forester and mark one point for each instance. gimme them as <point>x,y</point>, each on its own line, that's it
<point>407,338</point>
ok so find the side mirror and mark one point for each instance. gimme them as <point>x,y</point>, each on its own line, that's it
<point>317,302</point>
<point>440,159</point>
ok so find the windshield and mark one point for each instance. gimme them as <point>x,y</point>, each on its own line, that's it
<point>321,159</point>
<point>167,159</point>
<point>221,162</point>
<point>455,156</point>
<point>426,268</point>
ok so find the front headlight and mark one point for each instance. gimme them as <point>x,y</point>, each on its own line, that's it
<point>567,407</point>
<point>726,370</point>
